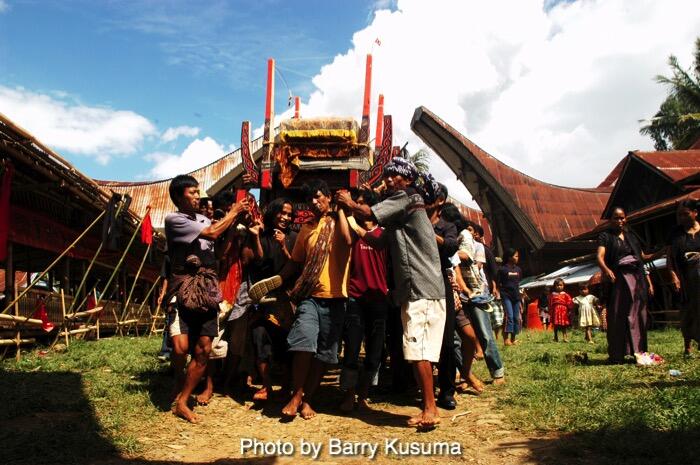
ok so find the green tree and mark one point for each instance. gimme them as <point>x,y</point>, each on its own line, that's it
<point>677,123</point>
<point>421,159</point>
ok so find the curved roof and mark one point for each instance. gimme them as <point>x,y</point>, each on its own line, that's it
<point>212,178</point>
<point>541,212</point>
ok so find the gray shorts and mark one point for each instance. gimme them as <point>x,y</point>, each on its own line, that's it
<point>317,328</point>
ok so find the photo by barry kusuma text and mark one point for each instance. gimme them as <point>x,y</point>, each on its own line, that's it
<point>340,448</point>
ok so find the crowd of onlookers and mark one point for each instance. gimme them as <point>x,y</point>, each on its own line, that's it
<point>396,270</point>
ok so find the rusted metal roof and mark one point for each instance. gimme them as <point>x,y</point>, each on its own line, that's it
<point>155,193</point>
<point>476,216</point>
<point>663,207</point>
<point>676,164</point>
<point>611,179</point>
<point>542,212</point>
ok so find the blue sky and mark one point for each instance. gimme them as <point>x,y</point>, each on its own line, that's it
<point>136,90</point>
<point>199,64</point>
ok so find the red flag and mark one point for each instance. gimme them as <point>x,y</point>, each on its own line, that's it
<point>147,229</point>
<point>5,188</point>
<point>41,314</point>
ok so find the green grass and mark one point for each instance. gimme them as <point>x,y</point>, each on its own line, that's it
<point>99,397</point>
<point>551,389</point>
<point>95,398</point>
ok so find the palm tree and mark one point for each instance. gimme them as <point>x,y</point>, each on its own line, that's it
<point>677,123</point>
<point>421,160</point>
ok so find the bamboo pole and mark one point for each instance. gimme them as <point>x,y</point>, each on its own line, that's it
<point>84,280</point>
<point>63,311</point>
<point>72,316</point>
<point>121,260</point>
<point>97,323</point>
<point>20,319</point>
<point>43,273</point>
<point>13,341</point>
<point>136,278</point>
<point>18,337</point>
<point>145,299</point>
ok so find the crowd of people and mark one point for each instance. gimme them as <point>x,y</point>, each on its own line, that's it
<point>398,271</point>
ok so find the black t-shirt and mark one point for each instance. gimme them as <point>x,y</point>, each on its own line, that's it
<point>274,258</point>
<point>448,231</point>
<point>491,267</point>
<point>509,277</point>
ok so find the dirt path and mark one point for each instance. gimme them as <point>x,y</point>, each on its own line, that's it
<point>474,433</point>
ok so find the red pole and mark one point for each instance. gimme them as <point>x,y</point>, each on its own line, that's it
<point>368,86</point>
<point>266,172</point>
<point>380,121</point>
<point>270,90</point>
<point>297,106</point>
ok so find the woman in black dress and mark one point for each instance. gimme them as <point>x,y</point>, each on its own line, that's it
<point>621,261</point>
<point>684,263</point>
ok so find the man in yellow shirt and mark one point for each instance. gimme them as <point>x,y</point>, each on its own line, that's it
<point>322,252</point>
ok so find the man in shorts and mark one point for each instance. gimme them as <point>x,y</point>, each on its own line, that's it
<point>418,284</point>
<point>189,234</point>
<point>322,254</point>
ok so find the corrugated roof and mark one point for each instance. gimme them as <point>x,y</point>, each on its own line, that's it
<point>676,164</point>
<point>155,193</point>
<point>476,216</point>
<point>660,208</point>
<point>554,212</point>
<point>611,179</point>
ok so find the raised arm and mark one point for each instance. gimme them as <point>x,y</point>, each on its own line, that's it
<point>215,230</point>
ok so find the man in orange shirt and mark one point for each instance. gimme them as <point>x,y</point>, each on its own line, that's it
<point>322,253</point>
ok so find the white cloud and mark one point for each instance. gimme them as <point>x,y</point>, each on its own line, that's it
<point>199,153</point>
<point>63,124</point>
<point>4,6</point>
<point>555,92</point>
<point>171,134</point>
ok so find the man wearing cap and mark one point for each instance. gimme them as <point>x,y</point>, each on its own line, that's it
<point>418,283</point>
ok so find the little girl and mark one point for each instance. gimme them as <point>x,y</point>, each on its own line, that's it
<point>588,315</point>
<point>560,303</point>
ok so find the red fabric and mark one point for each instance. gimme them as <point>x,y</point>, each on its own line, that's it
<point>533,316</point>
<point>231,275</point>
<point>560,303</point>
<point>41,314</point>
<point>5,189</point>
<point>147,230</point>
<point>368,270</point>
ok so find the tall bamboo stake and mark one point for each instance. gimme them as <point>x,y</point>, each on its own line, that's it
<point>145,299</point>
<point>136,278</point>
<point>121,260</point>
<point>18,338</point>
<point>43,273</point>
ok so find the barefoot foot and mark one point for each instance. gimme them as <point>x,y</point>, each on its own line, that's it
<point>307,412</point>
<point>415,421</point>
<point>262,394</point>
<point>204,397</point>
<point>181,410</point>
<point>499,381</point>
<point>290,410</point>
<point>429,419</point>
